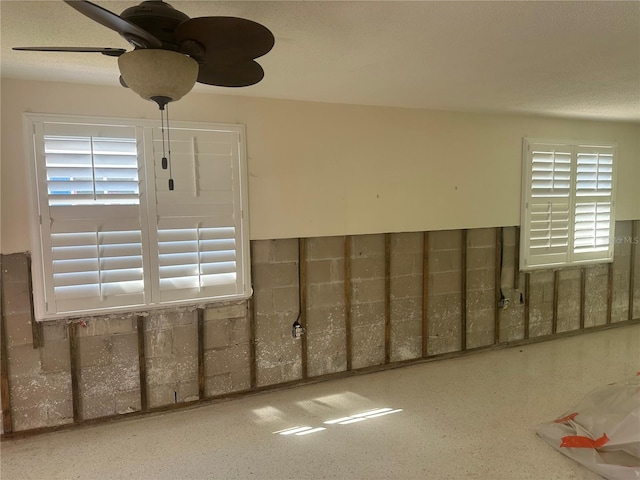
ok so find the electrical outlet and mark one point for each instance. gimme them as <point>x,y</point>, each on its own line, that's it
<point>503,303</point>
<point>297,330</point>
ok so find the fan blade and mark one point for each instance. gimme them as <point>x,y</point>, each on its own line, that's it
<point>135,35</point>
<point>110,52</point>
<point>241,74</point>
<point>226,40</point>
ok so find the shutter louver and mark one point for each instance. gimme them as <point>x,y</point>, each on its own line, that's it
<point>93,236</point>
<point>199,236</point>
<point>593,221</point>
<point>548,208</point>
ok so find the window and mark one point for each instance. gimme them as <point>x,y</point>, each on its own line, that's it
<point>567,204</point>
<point>111,236</point>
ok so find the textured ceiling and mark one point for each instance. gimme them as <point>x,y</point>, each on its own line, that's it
<point>576,58</point>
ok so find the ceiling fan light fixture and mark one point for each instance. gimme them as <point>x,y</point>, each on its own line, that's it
<point>158,73</point>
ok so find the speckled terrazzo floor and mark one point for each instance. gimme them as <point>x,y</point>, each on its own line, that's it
<point>462,418</point>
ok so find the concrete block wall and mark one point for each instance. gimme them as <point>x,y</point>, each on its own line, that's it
<point>622,271</point>
<point>276,302</point>
<point>444,291</point>
<point>248,344</point>
<point>108,367</point>
<point>406,270</point>
<point>367,300</point>
<point>481,287</point>
<point>511,320</point>
<point>227,349</point>
<point>595,304</point>
<point>325,315</point>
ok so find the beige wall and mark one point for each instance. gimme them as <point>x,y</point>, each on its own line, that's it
<point>321,169</point>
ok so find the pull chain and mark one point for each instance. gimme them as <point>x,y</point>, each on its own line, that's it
<point>169,146</point>
<point>166,162</point>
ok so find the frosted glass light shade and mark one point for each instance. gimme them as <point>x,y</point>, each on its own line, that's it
<point>158,73</point>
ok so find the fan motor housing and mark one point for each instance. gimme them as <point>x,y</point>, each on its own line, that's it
<point>158,18</point>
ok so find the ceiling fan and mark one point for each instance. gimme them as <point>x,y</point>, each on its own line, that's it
<point>172,51</point>
<point>223,47</point>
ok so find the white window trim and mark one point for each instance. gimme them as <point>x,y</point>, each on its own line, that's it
<point>525,198</point>
<point>37,264</point>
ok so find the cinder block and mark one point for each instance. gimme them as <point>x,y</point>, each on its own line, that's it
<point>93,351</point>
<point>261,251</point>
<point>407,243</point>
<point>321,248</point>
<point>444,261</point>
<point>285,250</point>
<point>367,245</point>
<point>39,389</point>
<point>187,391</point>
<point>227,383</point>
<point>482,238</point>
<point>127,402</point>
<point>481,258</point>
<point>540,319</point>
<point>286,372</point>
<point>406,287</point>
<point>24,361</point>
<point>163,394</point>
<point>444,335</point>
<point>15,297</point>
<point>55,356</point>
<point>240,331</point>
<point>406,309</point>
<point>165,319</point>
<point>216,334</point>
<point>322,318</point>
<point>284,299</point>
<point>367,267</point>
<point>328,294</point>
<point>406,264</point>
<point>483,279</point>
<point>367,314</point>
<point>18,329</point>
<point>158,343</point>
<point>234,310</point>
<point>368,346</point>
<point>480,328</point>
<point>263,301</point>
<point>47,414</point>
<point>102,405</point>
<point>445,240</point>
<point>275,274</point>
<point>319,271</point>
<point>326,353</point>
<point>124,349</point>
<point>275,328</point>
<point>53,330</point>
<point>185,340</point>
<point>443,283</point>
<point>367,291</point>
<point>481,300</point>
<point>15,268</point>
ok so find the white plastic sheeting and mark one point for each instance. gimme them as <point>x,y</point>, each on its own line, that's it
<point>602,431</point>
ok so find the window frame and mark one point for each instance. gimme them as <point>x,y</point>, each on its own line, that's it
<point>147,212</point>
<point>571,257</point>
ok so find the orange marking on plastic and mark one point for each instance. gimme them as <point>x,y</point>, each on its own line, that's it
<point>577,441</point>
<point>567,418</point>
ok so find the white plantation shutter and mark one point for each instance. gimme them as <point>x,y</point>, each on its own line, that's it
<point>593,232</point>
<point>200,229</point>
<point>112,237</point>
<point>90,224</point>
<point>567,214</point>
<point>547,210</point>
